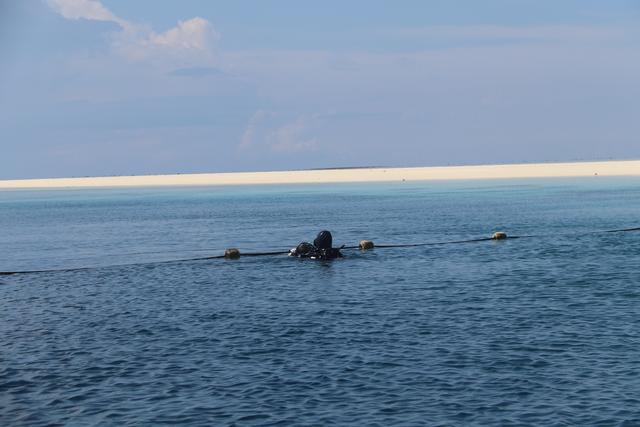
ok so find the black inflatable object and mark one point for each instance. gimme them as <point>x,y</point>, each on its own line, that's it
<point>323,240</point>
<point>321,248</point>
<point>305,249</point>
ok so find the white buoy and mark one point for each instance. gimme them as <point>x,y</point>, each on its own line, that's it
<point>231,253</point>
<point>366,245</point>
<point>499,235</point>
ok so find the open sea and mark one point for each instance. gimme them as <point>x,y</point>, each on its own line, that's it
<point>543,330</point>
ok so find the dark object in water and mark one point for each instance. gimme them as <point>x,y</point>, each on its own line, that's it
<point>321,248</point>
<point>232,253</point>
<point>304,249</point>
<point>323,240</point>
<point>365,245</point>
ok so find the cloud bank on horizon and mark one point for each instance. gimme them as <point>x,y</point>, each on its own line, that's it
<point>117,87</point>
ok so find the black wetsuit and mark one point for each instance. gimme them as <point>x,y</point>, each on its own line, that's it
<point>320,249</point>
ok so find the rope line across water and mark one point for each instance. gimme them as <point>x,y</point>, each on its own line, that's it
<point>283,252</point>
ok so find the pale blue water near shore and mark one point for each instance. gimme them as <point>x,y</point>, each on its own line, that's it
<point>539,331</point>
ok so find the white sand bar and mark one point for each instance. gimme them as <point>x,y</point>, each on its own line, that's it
<point>529,170</point>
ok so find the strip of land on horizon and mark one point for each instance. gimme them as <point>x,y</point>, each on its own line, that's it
<point>437,173</point>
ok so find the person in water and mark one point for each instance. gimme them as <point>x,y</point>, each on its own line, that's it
<point>320,249</point>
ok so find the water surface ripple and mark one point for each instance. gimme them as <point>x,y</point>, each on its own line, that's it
<point>522,332</point>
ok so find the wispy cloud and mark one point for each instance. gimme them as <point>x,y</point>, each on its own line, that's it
<point>189,42</point>
<point>293,137</point>
<point>273,132</point>
<point>248,136</point>
<point>84,9</point>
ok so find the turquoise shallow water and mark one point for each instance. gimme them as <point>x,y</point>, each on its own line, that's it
<point>538,331</point>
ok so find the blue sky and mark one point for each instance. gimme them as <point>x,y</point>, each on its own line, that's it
<point>117,87</point>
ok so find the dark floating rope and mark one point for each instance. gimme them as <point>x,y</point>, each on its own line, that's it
<point>234,253</point>
<point>416,245</point>
<point>622,230</point>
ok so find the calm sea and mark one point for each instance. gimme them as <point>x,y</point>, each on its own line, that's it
<point>533,331</point>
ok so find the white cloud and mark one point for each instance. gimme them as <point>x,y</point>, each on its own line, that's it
<point>190,42</point>
<point>249,134</point>
<point>270,131</point>
<point>84,9</point>
<point>293,137</point>
<point>192,34</point>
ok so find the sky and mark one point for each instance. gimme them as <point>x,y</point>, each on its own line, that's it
<point>121,87</point>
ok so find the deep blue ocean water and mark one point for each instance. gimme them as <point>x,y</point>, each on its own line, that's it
<point>533,331</point>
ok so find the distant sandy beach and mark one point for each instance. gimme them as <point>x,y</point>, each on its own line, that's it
<point>508,171</point>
